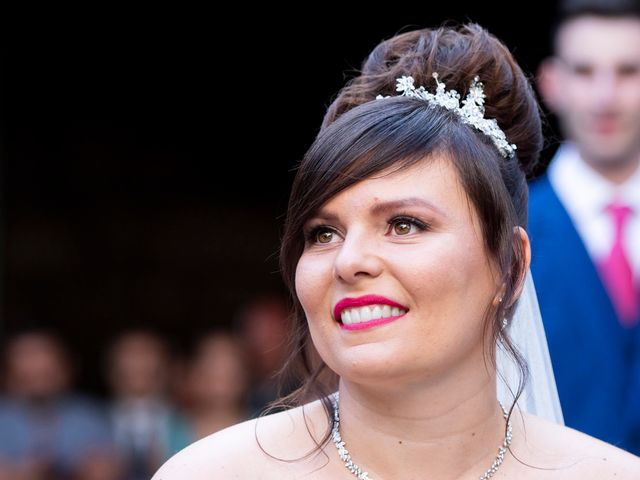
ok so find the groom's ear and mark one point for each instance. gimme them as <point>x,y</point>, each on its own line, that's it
<point>548,82</point>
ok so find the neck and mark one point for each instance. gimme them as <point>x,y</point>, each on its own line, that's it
<point>398,434</point>
<point>616,171</point>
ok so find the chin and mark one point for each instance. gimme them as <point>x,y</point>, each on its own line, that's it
<point>369,366</point>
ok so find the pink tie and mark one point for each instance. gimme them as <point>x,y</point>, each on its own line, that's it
<point>616,271</point>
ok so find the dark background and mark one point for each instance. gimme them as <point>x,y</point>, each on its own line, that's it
<point>147,158</point>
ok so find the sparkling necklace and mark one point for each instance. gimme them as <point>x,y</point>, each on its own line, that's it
<point>357,471</point>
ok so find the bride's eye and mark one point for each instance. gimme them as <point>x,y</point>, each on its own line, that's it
<point>402,226</point>
<point>321,234</point>
<point>324,236</point>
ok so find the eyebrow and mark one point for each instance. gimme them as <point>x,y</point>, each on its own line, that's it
<point>387,206</point>
<point>383,207</point>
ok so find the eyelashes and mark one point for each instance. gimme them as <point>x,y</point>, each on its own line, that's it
<point>403,225</point>
<point>397,226</point>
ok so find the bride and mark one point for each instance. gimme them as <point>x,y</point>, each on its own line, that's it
<point>405,251</point>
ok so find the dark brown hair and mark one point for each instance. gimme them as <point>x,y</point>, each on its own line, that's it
<point>361,137</point>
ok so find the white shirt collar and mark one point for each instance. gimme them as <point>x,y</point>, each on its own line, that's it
<point>583,190</point>
<point>629,192</point>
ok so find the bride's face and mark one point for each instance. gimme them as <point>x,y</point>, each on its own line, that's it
<point>394,278</point>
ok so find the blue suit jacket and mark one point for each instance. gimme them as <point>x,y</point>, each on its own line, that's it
<point>595,360</point>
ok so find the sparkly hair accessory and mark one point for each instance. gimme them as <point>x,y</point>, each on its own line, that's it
<point>471,112</point>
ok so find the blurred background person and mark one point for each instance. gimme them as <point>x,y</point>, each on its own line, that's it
<point>46,431</point>
<point>584,218</point>
<point>217,383</point>
<point>262,324</point>
<point>146,427</point>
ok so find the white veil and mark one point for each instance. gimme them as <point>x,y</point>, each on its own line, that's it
<point>540,395</point>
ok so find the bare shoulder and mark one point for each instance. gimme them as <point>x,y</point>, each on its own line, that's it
<point>278,446</point>
<point>565,453</point>
<point>215,456</point>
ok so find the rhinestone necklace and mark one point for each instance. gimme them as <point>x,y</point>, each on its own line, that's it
<point>357,471</point>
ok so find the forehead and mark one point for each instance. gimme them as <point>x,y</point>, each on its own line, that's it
<point>599,40</point>
<point>433,179</point>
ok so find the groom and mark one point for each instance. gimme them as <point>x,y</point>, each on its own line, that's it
<point>585,219</point>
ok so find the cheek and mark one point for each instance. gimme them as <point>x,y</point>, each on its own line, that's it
<point>574,95</point>
<point>631,96</point>
<point>451,284</point>
<point>448,267</point>
<point>313,276</point>
<point>313,287</point>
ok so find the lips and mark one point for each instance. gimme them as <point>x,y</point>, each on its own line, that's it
<point>352,304</point>
<point>605,128</point>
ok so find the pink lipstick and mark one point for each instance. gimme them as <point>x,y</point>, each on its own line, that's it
<point>366,300</point>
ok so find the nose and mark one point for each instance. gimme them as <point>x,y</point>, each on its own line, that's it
<point>605,88</point>
<point>359,258</point>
